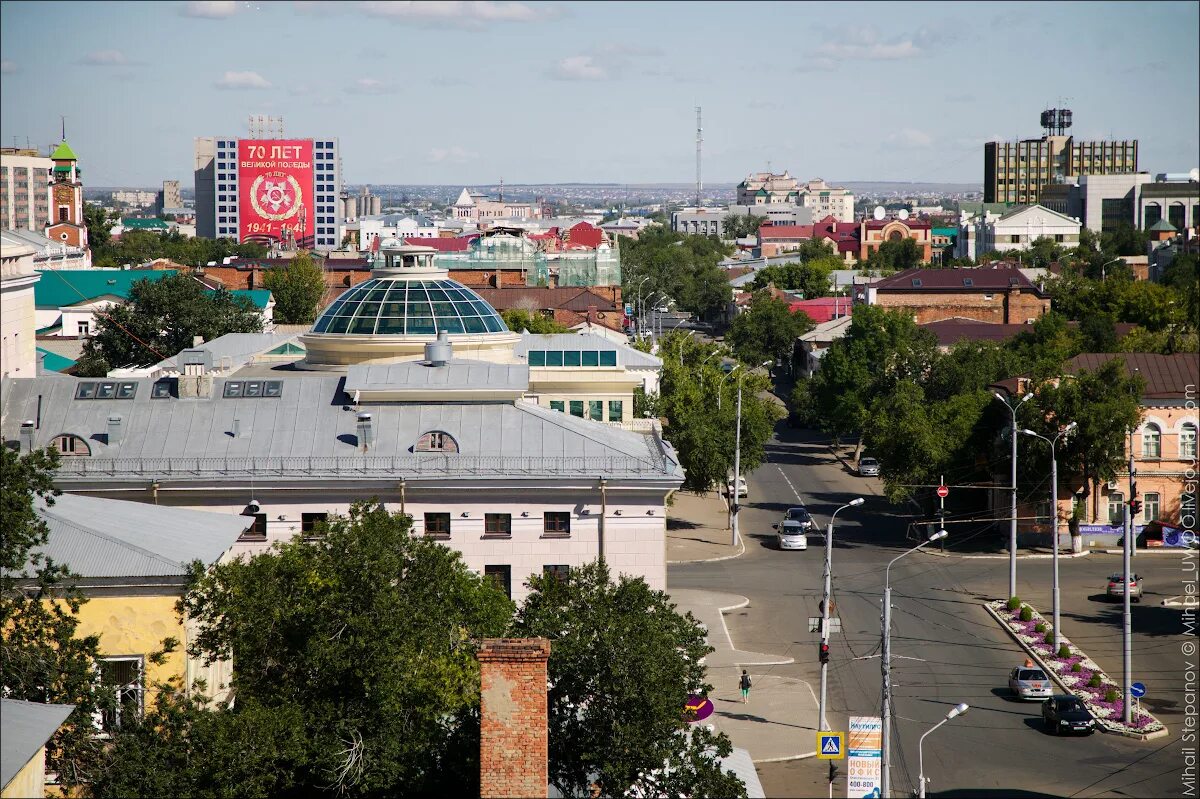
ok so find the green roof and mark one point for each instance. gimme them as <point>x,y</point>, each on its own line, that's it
<point>59,287</point>
<point>1163,225</point>
<point>287,348</point>
<point>55,325</point>
<point>63,152</point>
<point>260,297</point>
<point>55,362</point>
<point>945,231</point>
<point>137,223</point>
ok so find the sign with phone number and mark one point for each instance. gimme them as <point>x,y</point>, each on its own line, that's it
<point>864,766</point>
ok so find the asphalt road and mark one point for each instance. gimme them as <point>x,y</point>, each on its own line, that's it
<point>945,649</point>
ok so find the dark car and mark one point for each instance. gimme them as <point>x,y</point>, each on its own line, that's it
<point>1067,714</point>
<point>801,515</point>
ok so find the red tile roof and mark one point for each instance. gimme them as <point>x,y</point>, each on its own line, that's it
<point>958,279</point>
<point>823,309</point>
<point>951,331</point>
<point>545,299</point>
<point>456,244</point>
<point>585,235</point>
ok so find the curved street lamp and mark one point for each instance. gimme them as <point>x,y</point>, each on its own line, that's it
<point>1054,515</point>
<point>955,712</point>
<point>854,503</point>
<point>1012,524</point>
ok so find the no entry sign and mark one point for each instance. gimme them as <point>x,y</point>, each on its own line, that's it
<point>943,491</point>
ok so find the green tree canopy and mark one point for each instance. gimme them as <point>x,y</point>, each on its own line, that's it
<point>298,287</point>
<point>681,267</point>
<point>162,318</point>
<point>810,278</point>
<point>767,330</point>
<point>895,256</point>
<point>141,246</point>
<point>618,720</point>
<point>739,226</point>
<point>520,321</point>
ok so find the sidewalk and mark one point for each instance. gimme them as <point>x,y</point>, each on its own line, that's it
<point>697,529</point>
<point>780,720</point>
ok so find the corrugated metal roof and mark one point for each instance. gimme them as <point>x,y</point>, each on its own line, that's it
<point>1166,376</point>
<point>237,347</point>
<point>25,727</point>
<point>981,279</point>
<point>455,375</point>
<point>59,287</point>
<point>115,538</point>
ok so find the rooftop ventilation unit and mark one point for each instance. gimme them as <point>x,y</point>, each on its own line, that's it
<point>27,436</point>
<point>366,433</point>
<point>114,430</point>
<point>437,353</point>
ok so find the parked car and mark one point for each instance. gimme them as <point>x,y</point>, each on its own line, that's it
<point>791,535</point>
<point>743,490</point>
<point>1027,683</point>
<point>868,467</point>
<point>800,515</point>
<point>1115,591</point>
<point>1067,714</point>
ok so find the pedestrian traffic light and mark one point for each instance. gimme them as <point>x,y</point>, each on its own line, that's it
<point>824,653</point>
<point>1135,507</point>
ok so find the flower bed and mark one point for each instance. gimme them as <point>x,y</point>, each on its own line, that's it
<point>1107,713</point>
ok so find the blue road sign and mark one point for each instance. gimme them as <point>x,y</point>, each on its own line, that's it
<point>829,745</point>
<point>1138,690</point>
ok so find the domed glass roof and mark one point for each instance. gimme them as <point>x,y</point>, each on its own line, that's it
<point>397,306</point>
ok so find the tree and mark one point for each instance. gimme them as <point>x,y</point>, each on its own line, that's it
<point>681,267</point>
<point>768,329</point>
<point>896,255</point>
<point>162,318</point>
<point>1124,239</point>
<point>618,720</point>
<point>43,659</point>
<point>98,225</point>
<point>367,636</point>
<point>810,278</point>
<point>297,288</point>
<point>739,226</point>
<point>520,321</point>
<point>1042,252</point>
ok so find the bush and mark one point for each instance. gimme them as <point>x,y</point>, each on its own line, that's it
<point>1112,695</point>
<point>1026,613</point>
<point>1049,637</point>
<point>1064,651</point>
<point>1040,627</point>
<point>1014,603</point>
<point>1077,667</point>
<point>1094,682</point>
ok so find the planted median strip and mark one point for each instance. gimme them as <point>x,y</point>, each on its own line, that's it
<point>1074,671</point>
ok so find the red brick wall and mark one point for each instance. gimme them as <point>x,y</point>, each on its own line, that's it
<point>514,740</point>
<point>1003,308</point>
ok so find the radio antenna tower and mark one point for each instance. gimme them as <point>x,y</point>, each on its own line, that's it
<point>699,145</point>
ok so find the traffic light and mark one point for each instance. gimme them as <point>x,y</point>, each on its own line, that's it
<point>824,653</point>
<point>1135,507</point>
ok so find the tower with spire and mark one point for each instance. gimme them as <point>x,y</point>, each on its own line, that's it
<point>67,224</point>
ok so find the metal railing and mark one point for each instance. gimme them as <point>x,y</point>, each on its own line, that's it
<point>431,465</point>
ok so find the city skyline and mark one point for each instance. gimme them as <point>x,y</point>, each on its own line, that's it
<point>597,93</point>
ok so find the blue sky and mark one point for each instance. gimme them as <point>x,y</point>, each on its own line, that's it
<point>462,92</point>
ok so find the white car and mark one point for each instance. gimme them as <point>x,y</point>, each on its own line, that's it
<point>743,490</point>
<point>790,535</point>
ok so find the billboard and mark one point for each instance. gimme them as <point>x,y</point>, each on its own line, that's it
<point>275,190</point>
<point>864,770</point>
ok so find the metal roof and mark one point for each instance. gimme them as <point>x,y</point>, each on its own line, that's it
<point>454,375</point>
<point>626,356</point>
<point>310,430</point>
<point>1166,376</point>
<point>114,538</point>
<point>59,287</point>
<point>25,727</point>
<point>238,348</point>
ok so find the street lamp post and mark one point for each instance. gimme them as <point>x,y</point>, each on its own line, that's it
<point>1012,524</point>
<point>721,383</point>
<point>690,333</point>
<point>737,459</point>
<point>886,665</point>
<point>955,712</point>
<point>1054,516</point>
<point>1103,274</point>
<point>825,606</point>
<point>641,309</point>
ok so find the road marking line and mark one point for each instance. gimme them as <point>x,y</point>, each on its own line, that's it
<point>789,482</point>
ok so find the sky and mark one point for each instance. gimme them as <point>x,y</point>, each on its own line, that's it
<point>463,92</point>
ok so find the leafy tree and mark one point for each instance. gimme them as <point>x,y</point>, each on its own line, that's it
<point>297,288</point>
<point>1124,239</point>
<point>810,278</point>
<point>162,318</point>
<point>1042,252</point>
<point>683,268</point>
<point>519,321</point>
<point>739,226</point>
<point>896,255</point>
<point>618,721</point>
<point>1099,333</point>
<point>768,329</point>
<point>1183,276</point>
<point>98,225</point>
<point>43,659</point>
<point>1046,345</point>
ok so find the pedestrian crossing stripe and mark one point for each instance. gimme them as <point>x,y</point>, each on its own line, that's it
<point>829,745</point>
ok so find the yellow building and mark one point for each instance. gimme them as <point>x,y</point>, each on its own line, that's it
<point>132,559</point>
<point>25,728</point>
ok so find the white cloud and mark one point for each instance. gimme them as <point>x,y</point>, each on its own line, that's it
<point>578,67</point>
<point>371,86</point>
<point>865,44</point>
<point>910,138</point>
<point>7,67</point>
<point>210,9</point>
<point>453,13</point>
<point>243,80</point>
<point>451,155</point>
<point>106,58</point>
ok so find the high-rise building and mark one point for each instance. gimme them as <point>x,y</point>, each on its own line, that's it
<point>169,197</point>
<point>825,200</point>
<point>1015,172</point>
<point>764,188</point>
<point>24,189</point>
<point>268,190</point>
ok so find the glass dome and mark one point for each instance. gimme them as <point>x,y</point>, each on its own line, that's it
<point>395,306</point>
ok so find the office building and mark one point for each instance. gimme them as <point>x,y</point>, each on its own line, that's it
<point>24,189</point>
<point>824,200</point>
<point>169,199</point>
<point>1015,231</point>
<point>1016,172</point>
<point>766,188</point>
<point>284,192</point>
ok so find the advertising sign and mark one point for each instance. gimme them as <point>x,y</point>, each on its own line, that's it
<point>864,769</point>
<point>275,185</point>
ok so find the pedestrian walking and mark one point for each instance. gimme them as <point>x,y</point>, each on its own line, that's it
<point>745,684</point>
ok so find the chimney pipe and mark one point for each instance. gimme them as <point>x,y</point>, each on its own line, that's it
<point>366,434</point>
<point>27,436</point>
<point>440,351</point>
<point>114,430</point>
<point>513,741</point>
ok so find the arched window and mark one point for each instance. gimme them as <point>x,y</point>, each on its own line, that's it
<point>1187,441</point>
<point>71,444</point>
<point>895,235</point>
<point>1151,441</point>
<point>436,441</point>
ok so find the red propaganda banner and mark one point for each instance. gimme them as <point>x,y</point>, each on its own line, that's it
<point>275,185</point>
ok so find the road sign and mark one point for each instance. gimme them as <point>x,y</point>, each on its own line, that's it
<point>628,309</point>
<point>814,624</point>
<point>1138,690</point>
<point>830,745</point>
<point>943,491</point>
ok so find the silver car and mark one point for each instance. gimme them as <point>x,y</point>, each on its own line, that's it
<point>790,535</point>
<point>1114,587</point>
<point>868,467</point>
<point>1027,683</point>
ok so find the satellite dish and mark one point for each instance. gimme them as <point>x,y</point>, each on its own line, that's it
<point>879,212</point>
<point>903,214</point>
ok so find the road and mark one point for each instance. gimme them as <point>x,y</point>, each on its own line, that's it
<point>945,649</point>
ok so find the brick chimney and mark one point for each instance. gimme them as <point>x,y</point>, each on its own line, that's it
<point>513,741</point>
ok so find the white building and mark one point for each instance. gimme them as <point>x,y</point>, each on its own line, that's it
<point>1014,230</point>
<point>394,226</point>
<point>699,221</point>
<point>24,189</point>
<point>518,451</point>
<point>825,200</point>
<point>18,352</point>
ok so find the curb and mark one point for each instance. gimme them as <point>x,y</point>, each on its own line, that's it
<point>1038,556</point>
<point>742,551</point>
<point>804,756</point>
<point>1151,551</point>
<point>1055,678</point>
